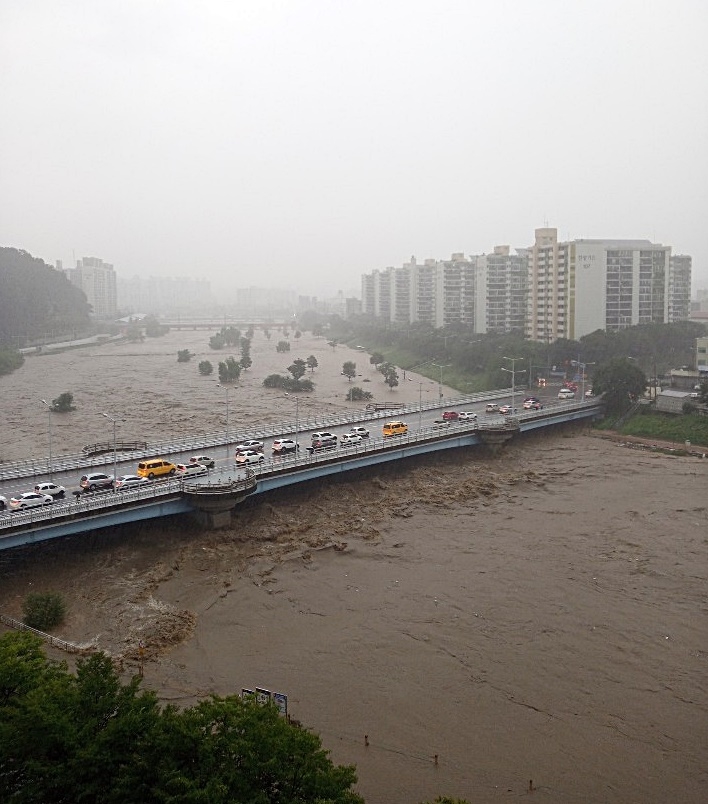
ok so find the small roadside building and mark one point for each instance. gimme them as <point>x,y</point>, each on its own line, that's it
<point>671,400</point>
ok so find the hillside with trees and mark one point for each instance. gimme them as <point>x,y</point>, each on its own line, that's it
<point>37,301</point>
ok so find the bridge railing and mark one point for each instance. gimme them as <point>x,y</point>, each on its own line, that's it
<point>40,467</point>
<point>243,475</point>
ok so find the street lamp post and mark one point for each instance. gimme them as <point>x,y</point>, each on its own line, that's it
<point>115,452</point>
<point>441,367</point>
<point>226,389</point>
<point>297,423</point>
<point>49,411</point>
<point>512,371</point>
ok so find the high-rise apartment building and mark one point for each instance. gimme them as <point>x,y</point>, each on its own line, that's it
<point>549,290</point>
<point>97,279</point>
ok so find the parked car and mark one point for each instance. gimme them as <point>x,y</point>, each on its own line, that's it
<point>156,467</point>
<point>360,431</point>
<point>467,416</point>
<point>283,446</point>
<point>491,407</point>
<point>30,499</point>
<point>532,404</point>
<point>3,503</point>
<point>323,444</point>
<point>125,482</point>
<point>324,437</point>
<point>349,439</point>
<point>96,480</point>
<point>249,456</point>
<point>50,488</point>
<point>204,460</point>
<point>190,470</point>
<point>450,416</point>
<point>252,444</point>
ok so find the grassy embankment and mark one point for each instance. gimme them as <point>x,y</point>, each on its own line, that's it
<point>664,427</point>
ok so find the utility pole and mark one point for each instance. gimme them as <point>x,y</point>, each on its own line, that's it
<point>49,411</point>
<point>512,371</point>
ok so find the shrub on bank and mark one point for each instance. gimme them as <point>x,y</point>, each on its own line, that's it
<point>43,610</point>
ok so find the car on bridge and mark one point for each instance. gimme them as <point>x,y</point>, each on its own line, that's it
<point>249,456</point>
<point>360,431</point>
<point>323,444</point>
<point>3,503</point>
<point>284,446</point>
<point>349,439</point>
<point>394,429</point>
<point>467,416</point>
<point>566,393</point>
<point>532,404</point>
<point>506,410</point>
<point>491,407</point>
<point>245,445</point>
<point>190,470</point>
<point>50,488</point>
<point>450,416</point>
<point>30,499</point>
<point>156,467</point>
<point>125,482</point>
<point>324,436</point>
<point>204,460</point>
<point>96,480</point>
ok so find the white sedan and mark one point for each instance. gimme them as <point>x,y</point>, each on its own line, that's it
<point>131,482</point>
<point>30,499</point>
<point>467,416</point>
<point>190,469</point>
<point>349,439</point>
<point>250,456</point>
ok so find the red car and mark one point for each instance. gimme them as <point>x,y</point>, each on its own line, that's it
<point>451,416</point>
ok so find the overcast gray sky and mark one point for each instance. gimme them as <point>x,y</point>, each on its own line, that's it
<point>302,143</point>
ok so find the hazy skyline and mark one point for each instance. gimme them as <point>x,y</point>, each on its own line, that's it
<point>303,143</point>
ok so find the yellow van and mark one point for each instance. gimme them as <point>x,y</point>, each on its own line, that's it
<point>395,428</point>
<point>155,467</point>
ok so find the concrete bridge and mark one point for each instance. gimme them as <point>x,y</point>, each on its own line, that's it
<point>212,501</point>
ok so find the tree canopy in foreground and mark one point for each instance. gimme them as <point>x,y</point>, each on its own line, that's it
<point>88,737</point>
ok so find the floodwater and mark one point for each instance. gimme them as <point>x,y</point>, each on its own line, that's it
<point>486,624</point>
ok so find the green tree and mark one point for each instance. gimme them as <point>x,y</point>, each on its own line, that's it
<point>376,359</point>
<point>10,360</point>
<point>391,376</point>
<point>205,368</point>
<point>333,344</point>
<point>43,610</point>
<point>88,737</point>
<point>349,370</point>
<point>298,369</point>
<point>153,328</point>
<point>619,381</point>
<point>229,370</point>
<point>63,403</point>
<point>312,363</point>
<point>357,394</point>
<point>184,356</point>
<point>217,341</point>
<point>282,346</point>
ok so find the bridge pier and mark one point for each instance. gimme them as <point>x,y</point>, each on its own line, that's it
<point>494,439</point>
<point>213,520</point>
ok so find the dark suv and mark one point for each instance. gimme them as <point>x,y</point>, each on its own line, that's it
<point>323,444</point>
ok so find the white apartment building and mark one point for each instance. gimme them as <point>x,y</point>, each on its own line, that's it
<point>548,291</point>
<point>97,279</point>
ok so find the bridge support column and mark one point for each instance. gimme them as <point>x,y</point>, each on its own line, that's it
<point>213,520</point>
<point>494,440</point>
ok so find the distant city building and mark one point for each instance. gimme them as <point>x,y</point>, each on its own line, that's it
<point>164,295</point>
<point>547,291</point>
<point>97,280</point>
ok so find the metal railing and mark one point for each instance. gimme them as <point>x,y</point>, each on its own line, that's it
<point>39,467</point>
<point>62,644</point>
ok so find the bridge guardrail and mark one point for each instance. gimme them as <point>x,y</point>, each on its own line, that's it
<point>86,503</point>
<point>40,467</point>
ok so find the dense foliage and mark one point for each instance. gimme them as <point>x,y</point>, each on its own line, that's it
<point>90,738</point>
<point>43,610</point>
<point>63,403</point>
<point>9,360</point>
<point>474,362</point>
<point>184,356</point>
<point>37,301</point>
<point>205,368</point>
<point>288,383</point>
<point>620,382</point>
<point>357,394</point>
<point>229,370</point>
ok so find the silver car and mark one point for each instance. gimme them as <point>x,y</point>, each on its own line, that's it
<point>30,499</point>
